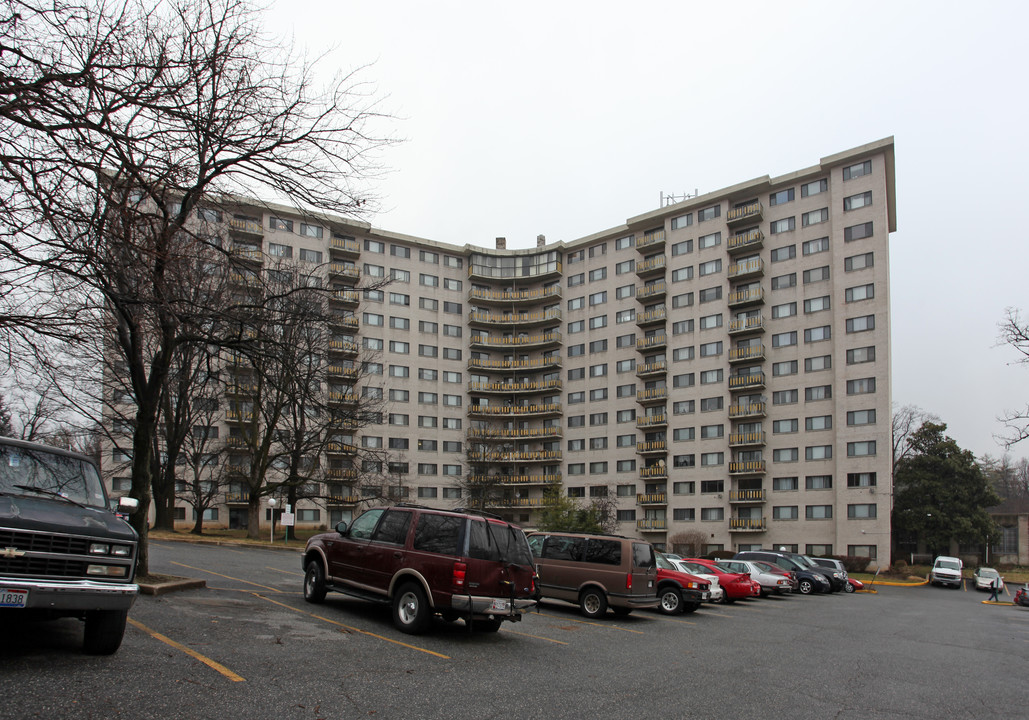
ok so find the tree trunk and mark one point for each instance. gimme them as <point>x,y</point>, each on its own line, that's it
<point>142,449</point>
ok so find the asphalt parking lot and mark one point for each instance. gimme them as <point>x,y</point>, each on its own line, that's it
<point>249,645</point>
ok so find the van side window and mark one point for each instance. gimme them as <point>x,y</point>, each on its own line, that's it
<point>605,552</point>
<point>393,528</point>
<point>438,534</point>
<point>536,544</point>
<point>365,524</point>
<point>643,555</point>
<point>563,548</point>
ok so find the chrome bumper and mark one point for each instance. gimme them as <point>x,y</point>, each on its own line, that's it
<point>74,594</point>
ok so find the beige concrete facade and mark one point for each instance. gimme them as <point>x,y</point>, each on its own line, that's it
<point>720,365</point>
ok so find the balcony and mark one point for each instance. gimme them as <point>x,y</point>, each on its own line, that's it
<point>653,266</point>
<point>237,498</point>
<point>541,270</point>
<point>345,245</point>
<point>514,456</point>
<point>250,254</point>
<point>547,362</point>
<point>343,347</point>
<point>651,421</point>
<point>344,371</point>
<point>337,397</point>
<point>342,499</point>
<point>652,291</point>
<point>746,467</point>
<point>651,240</point>
<point>741,383</point>
<point>340,448</point>
<point>654,472</point>
<point>755,353</point>
<point>749,410</point>
<point>515,479</point>
<point>744,241</point>
<point>652,395</point>
<point>526,319</point>
<point>746,213</point>
<point>350,323</point>
<point>346,296</point>
<point>652,499</point>
<point>651,317</point>
<point>341,473</point>
<point>750,296</point>
<point>511,342</point>
<point>538,433</point>
<point>507,297</point>
<point>234,441</point>
<point>240,388</point>
<point>345,271</point>
<point>540,410</point>
<point>748,438</point>
<point>508,387</point>
<point>747,525</point>
<point>747,496</point>
<point>246,225</point>
<point>653,369</point>
<point>652,447</point>
<point>651,342</point>
<point>652,525</point>
<point>523,502</point>
<point>754,267</point>
<point>740,326</point>
<point>239,415</point>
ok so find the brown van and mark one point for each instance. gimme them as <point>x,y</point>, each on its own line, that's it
<point>596,571</point>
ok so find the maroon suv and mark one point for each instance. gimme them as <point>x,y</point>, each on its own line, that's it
<point>458,564</point>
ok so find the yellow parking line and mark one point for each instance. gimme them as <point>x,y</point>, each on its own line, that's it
<point>538,637</point>
<point>284,572</point>
<point>228,577</point>
<point>351,628</point>
<point>587,622</point>
<point>192,653</point>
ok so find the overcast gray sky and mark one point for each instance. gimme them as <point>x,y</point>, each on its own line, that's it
<point>566,118</point>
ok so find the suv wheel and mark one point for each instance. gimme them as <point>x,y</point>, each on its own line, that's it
<point>671,600</point>
<point>314,583</point>
<point>410,609</point>
<point>104,631</point>
<point>593,603</point>
<point>806,586</point>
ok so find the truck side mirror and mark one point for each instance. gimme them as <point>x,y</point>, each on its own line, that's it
<point>128,505</point>
<point>341,527</point>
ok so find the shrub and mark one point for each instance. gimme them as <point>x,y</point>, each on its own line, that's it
<point>900,565</point>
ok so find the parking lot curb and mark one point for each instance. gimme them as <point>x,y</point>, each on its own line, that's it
<point>226,543</point>
<point>167,586</point>
<point>902,584</point>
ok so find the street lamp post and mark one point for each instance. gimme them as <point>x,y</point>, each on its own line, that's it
<point>271,520</point>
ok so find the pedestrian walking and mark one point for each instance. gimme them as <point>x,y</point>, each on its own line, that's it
<point>995,595</point>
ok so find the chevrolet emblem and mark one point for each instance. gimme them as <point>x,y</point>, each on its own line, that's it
<point>9,553</point>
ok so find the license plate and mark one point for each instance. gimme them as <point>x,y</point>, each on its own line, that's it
<point>499,605</point>
<point>13,598</point>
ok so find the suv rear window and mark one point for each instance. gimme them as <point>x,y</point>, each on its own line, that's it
<point>438,534</point>
<point>498,541</point>
<point>643,555</point>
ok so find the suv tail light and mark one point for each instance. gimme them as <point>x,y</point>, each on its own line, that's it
<point>460,570</point>
<point>628,581</point>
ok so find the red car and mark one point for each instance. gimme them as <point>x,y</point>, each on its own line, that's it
<point>679,592</point>
<point>737,586</point>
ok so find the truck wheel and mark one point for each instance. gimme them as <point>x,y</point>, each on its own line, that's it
<point>410,609</point>
<point>104,631</point>
<point>314,583</point>
<point>671,600</point>
<point>593,603</point>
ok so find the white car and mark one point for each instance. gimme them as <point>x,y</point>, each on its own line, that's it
<point>946,571</point>
<point>716,590</point>
<point>985,578</point>
<point>769,582</point>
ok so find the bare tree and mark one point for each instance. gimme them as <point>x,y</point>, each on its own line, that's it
<point>906,420</point>
<point>690,543</point>
<point>1015,332</point>
<point>122,123</point>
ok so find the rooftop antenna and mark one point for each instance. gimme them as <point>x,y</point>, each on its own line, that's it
<point>672,198</point>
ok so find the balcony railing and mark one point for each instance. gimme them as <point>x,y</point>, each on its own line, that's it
<point>351,272</point>
<point>500,342</point>
<point>350,296</point>
<point>248,225</point>
<point>749,410</point>
<point>515,479</point>
<point>746,297</point>
<point>342,473</point>
<point>747,524</point>
<point>754,323</point>
<point>651,316</point>
<point>747,438</point>
<point>654,472</point>
<point>649,421</point>
<point>652,446</point>
<point>754,266</point>
<point>514,433</point>
<point>652,395</point>
<point>515,296</point>
<point>652,499</point>
<point>753,381</point>
<point>526,318</point>
<point>342,499</point>
<point>247,253</point>
<point>752,352</point>
<point>503,386</point>
<point>654,264</point>
<point>347,322</point>
<point>749,240</point>
<point>651,240</point>
<point>653,368</point>
<point>746,496</point>
<point>651,291</point>
<point>746,467</point>
<point>339,448</point>
<point>541,363</point>
<point>652,524</point>
<point>514,456</point>
<point>749,212</point>
<point>510,410</point>
<point>651,341</point>
<point>347,245</point>
<point>344,346</point>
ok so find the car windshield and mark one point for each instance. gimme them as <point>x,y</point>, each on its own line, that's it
<point>948,564</point>
<point>723,568</point>
<point>663,562</point>
<point>808,561</point>
<point>38,473</point>
<point>988,573</point>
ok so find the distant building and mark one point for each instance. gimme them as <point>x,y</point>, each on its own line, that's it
<point>719,366</point>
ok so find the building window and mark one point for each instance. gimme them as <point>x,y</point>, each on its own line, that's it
<point>710,377</point>
<point>853,202</point>
<point>785,427</point>
<point>818,512</point>
<point>780,484</point>
<point>862,511</point>
<point>683,434</point>
<point>860,292</point>
<point>815,217</point>
<point>818,422</point>
<point>866,551</point>
<point>819,392</point>
<point>785,512</point>
<point>861,324</point>
<point>683,381</point>
<point>710,267</point>
<point>855,171</point>
<point>710,294</point>
<point>785,455</point>
<point>819,245</point>
<point>860,480</point>
<point>709,213</point>
<point>818,482</point>
<point>712,514</point>
<point>625,243</point>
<point>817,334</point>
<point>683,221</point>
<point>782,225</point>
<point>684,488</point>
<point>709,241</point>
<point>781,198</point>
<point>598,274</point>
<point>709,322</point>
<point>818,452</point>
<point>861,449</point>
<point>861,386</point>
<point>781,282</point>
<point>814,187</point>
<point>859,355</point>
<point>712,459</point>
<point>858,262</point>
<point>857,232</point>
<point>784,339</point>
<point>600,321</point>
<point>861,417</point>
<point>785,397</point>
<point>399,251</point>
<point>683,353</point>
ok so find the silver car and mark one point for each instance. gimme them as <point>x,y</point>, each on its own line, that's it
<point>769,582</point>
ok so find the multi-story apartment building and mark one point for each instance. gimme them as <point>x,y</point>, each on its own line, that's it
<point>719,366</point>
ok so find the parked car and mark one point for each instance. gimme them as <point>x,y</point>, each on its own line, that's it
<point>679,592</point>
<point>770,582</point>
<point>66,552</point>
<point>788,574</point>
<point>736,586</point>
<point>596,571</point>
<point>457,564</point>
<point>985,578</point>
<point>809,580</point>
<point>832,564</point>
<point>854,585</point>
<point>946,571</point>
<point>716,594</point>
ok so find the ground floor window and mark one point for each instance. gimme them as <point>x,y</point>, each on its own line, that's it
<point>868,551</point>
